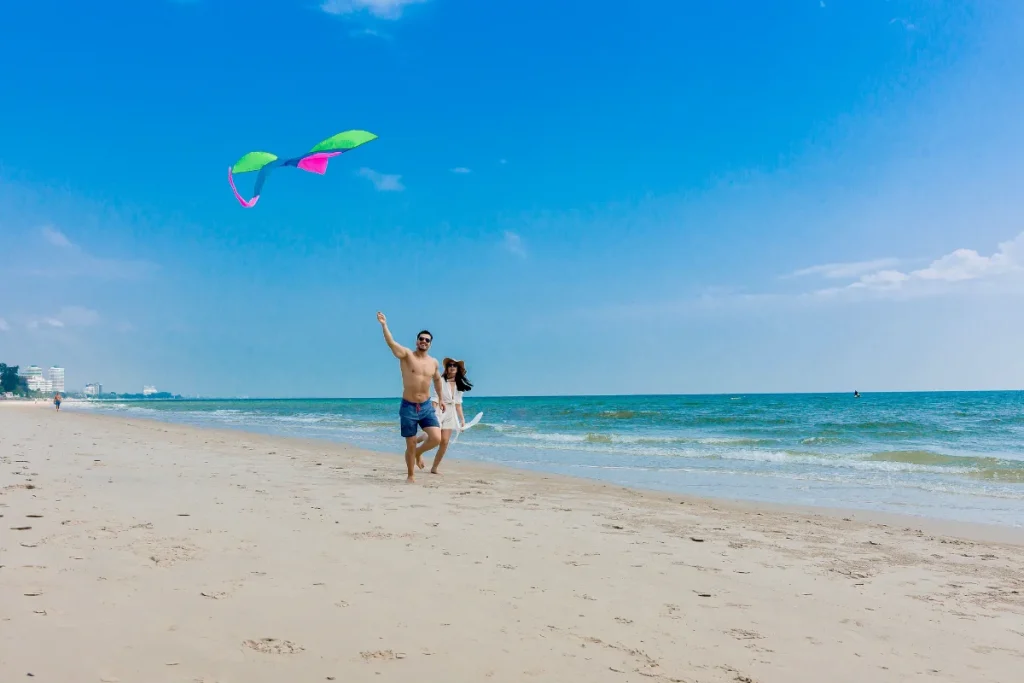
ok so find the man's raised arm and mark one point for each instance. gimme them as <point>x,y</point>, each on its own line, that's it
<point>396,348</point>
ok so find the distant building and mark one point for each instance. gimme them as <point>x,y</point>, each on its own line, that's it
<point>34,379</point>
<point>94,389</point>
<point>39,384</point>
<point>57,379</point>
<point>148,390</point>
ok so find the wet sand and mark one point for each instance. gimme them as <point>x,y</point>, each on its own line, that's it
<point>134,550</point>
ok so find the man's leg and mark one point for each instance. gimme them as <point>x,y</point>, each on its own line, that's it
<point>431,426</point>
<point>408,420</point>
<point>433,439</point>
<point>446,435</point>
<point>421,439</point>
<point>410,457</point>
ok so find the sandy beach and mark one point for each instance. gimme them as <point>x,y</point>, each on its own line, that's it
<point>134,550</point>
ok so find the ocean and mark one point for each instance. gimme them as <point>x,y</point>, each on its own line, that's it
<point>956,456</point>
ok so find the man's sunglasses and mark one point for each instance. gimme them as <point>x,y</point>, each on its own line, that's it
<point>425,339</point>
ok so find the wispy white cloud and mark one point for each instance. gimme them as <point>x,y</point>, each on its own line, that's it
<point>383,181</point>
<point>513,243</point>
<point>70,260</point>
<point>55,237</point>
<point>953,270</point>
<point>69,316</point>
<point>904,23</point>
<point>382,9</point>
<point>999,274</point>
<point>35,324</point>
<point>846,270</point>
<point>368,33</point>
<point>78,316</point>
<point>461,169</point>
<point>4,326</point>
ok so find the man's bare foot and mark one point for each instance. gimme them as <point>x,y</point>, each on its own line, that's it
<point>434,471</point>
<point>410,480</point>
<point>419,462</point>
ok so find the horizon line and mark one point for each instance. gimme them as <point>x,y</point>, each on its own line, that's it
<point>541,396</point>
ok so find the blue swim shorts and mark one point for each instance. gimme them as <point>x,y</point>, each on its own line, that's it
<point>413,415</point>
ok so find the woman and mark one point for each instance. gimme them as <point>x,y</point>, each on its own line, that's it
<point>454,384</point>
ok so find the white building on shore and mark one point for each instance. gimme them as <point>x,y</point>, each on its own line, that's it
<point>35,381</point>
<point>148,390</point>
<point>57,379</point>
<point>94,389</point>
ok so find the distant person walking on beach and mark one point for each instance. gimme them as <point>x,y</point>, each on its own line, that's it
<point>452,417</point>
<point>56,400</point>
<point>416,410</point>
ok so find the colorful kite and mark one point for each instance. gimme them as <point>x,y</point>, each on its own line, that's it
<point>314,161</point>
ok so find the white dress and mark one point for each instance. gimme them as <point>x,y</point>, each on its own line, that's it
<point>449,419</point>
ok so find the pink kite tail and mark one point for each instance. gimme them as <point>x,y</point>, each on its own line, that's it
<point>247,204</point>
<point>316,163</point>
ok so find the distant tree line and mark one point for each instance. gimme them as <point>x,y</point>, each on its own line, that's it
<point>106,395</point>
<point>159,394</point>
<point>12,382</point>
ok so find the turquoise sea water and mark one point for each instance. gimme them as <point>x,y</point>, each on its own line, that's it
<point>949,455</point>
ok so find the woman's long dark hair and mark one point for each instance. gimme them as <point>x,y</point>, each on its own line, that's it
<point>461,383</point>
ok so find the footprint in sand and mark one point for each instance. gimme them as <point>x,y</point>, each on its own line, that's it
<point>273,646</point>
<point>373,655</point>
<point>379,535</point>
<point>744,634</point>
<point>213,595</point>
<point>168,553</point>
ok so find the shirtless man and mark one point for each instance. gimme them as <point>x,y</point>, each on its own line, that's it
<point>418,369</point>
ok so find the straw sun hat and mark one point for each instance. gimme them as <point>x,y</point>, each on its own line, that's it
<point>449,361</point>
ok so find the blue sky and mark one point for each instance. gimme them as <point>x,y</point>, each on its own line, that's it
<point>672,197</point>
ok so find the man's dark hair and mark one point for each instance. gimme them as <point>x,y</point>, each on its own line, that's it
<point>422,332</point>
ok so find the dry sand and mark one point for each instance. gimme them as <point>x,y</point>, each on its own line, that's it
<point>138,551</point>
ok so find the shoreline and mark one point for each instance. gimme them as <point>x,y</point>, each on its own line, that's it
<point>216,555</point>
<point>934,525</point>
